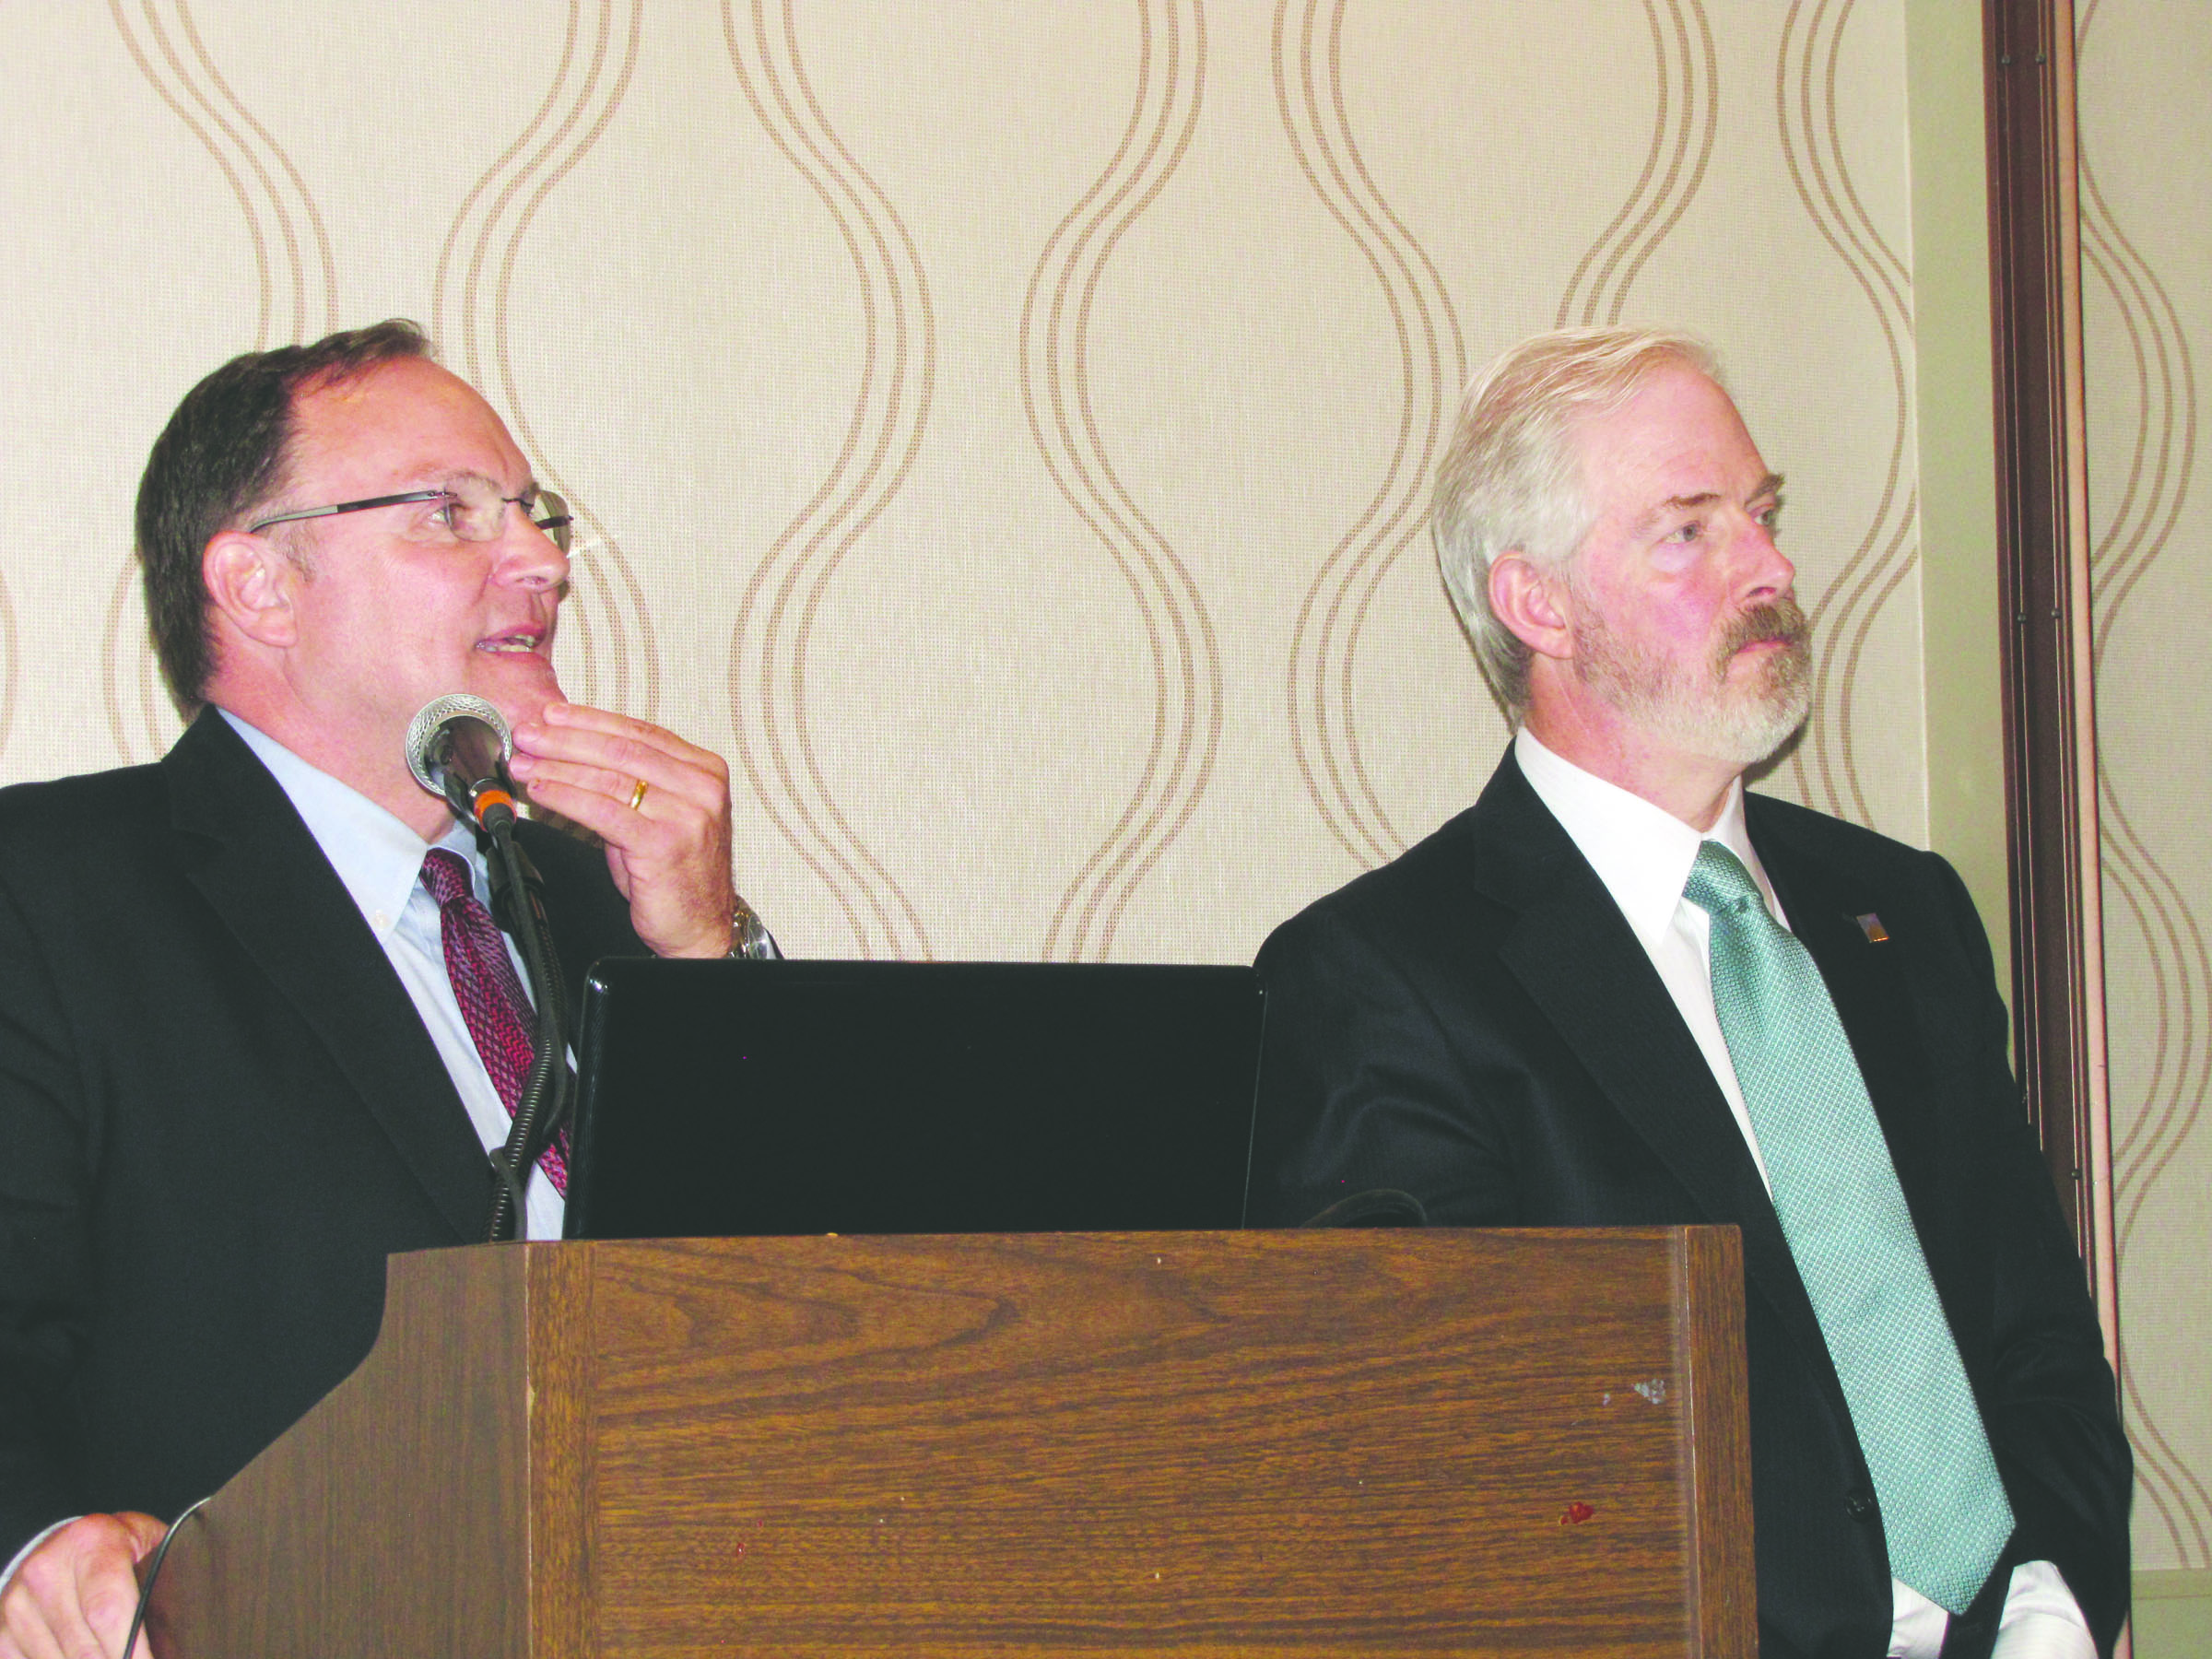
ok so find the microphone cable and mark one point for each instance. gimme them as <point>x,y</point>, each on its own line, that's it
<point>153,1572</point>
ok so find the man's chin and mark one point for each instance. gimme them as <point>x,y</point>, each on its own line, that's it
<point>1765,699</point>
<point>1741,727</point>
<point>1752,731</point>
<point>520,690</point>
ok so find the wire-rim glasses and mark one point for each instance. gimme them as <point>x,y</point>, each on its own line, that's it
<point>476,511</point>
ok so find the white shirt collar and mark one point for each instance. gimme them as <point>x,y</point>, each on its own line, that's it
<point>377,856</point>
<point>1641,852</point>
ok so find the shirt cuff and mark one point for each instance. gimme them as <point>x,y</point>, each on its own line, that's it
<point>2041,1619</point>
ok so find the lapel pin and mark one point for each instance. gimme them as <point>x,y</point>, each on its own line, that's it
<point>1871,925</point>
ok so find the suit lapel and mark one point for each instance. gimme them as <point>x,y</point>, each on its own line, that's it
<point>1577,958</point>
<point>254,861</point>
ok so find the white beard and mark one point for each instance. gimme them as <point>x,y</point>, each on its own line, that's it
<point>1702,712</point>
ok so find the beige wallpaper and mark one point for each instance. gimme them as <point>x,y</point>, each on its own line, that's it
<point>2146,255</point>
<point>1002,428</point>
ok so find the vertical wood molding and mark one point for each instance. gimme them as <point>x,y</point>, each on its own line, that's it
<point>1954,425</point>
<point>2043,541</point>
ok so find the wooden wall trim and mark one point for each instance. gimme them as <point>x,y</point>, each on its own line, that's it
<point>2048,669</point>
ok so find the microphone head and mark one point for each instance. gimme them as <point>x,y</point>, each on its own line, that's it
<point>423,729</point>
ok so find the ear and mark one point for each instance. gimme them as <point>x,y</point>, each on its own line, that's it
<point>250,579</point>
<point>1529,601</point>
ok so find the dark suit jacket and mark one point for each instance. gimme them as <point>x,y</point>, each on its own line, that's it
<point>1475,1024</point>
<point>218,1113</point>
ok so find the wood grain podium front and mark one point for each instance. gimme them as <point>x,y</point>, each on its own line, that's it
<point>1249,1444</point>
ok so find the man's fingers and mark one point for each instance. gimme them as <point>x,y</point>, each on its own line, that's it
<point>26,1631</point>
<point>29,1644</point>
<point>107,1585</point>
<point>668,844</point>
<point>666,786</point>
<point>109,1600</point>
<point>74,1595</point>
<point>613,754</point>
<point>589,768</point>
<point>43,1608</point>
<point>653,839</point>
<point>580,717</point>
<point>572,732</point>
<point>620,761</point>
<point>670,859</point>
<point>147,1533</point>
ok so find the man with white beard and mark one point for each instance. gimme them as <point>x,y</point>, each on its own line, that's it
<point>1619,990</point>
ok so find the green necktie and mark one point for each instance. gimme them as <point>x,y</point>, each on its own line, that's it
<point>1943,1507</point>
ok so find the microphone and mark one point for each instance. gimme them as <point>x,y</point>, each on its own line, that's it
<point>458,747</point>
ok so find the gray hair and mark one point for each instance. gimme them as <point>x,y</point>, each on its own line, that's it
<point>1510,480</point>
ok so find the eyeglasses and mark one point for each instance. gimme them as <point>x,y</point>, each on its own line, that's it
<point>474,510</point>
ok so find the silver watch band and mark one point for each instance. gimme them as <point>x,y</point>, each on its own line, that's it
<point>749,939</point>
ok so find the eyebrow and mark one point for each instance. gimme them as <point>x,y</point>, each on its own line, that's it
<point>438,476</point>
<point>1770,485</point>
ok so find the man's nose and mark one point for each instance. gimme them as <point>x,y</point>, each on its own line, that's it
<point>1769,573</point>
<point>530,555</point>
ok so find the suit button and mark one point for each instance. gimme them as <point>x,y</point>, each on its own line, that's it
<point>1859,1506</point>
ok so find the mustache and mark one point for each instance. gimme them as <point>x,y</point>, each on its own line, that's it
<point>1779,621</point>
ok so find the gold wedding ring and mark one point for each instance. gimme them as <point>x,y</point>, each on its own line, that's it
<point>637,796</point>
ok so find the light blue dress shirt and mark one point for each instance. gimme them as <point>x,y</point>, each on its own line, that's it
<point>379,859</point>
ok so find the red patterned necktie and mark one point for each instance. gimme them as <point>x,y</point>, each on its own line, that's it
<point>490,992</point>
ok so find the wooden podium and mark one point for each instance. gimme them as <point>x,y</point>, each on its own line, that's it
<point>1248,1444</point>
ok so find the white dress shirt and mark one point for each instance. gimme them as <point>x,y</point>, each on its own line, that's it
<point>1643,855</point>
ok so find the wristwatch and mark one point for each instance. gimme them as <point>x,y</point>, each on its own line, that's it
<point>749,939</point>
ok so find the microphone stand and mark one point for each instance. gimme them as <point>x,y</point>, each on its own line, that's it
<point>518,906</point>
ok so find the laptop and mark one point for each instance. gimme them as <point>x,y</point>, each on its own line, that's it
<point>720,1098</point>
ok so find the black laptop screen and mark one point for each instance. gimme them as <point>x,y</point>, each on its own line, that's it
<point>782,1097</point>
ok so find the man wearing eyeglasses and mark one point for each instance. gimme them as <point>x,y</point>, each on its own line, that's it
<point>236,1069</point>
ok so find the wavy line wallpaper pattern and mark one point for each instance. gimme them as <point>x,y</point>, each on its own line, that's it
<point>1806,82</point>
<point>1005,434</point>
<point>1057,397</point>
<point>605,617</point>
<point>1686,112</point>
<point>771,657</point>
<point>298,283</point>
<point>10,663</point>
<point>2143,379</point>
<point>1332,619</point>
